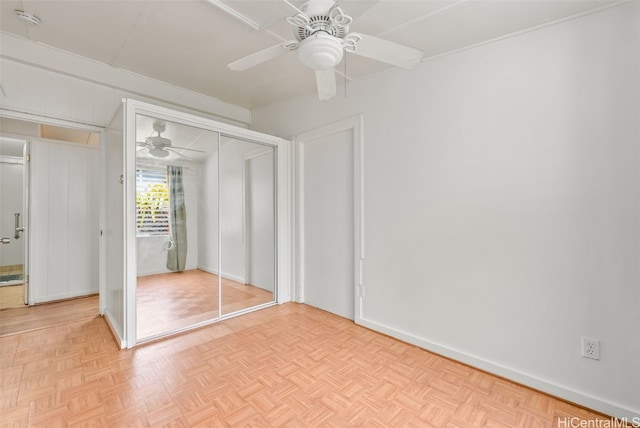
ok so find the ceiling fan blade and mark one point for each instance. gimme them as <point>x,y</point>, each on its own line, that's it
<point>383,50</point>
<point>258,58</point>
<point>326,80</point>
<point>186,148</point>
<point>171,149</point>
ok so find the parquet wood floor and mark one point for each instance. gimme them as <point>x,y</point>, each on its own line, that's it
<point>170,301</point>
<point>28,318</point>
<point>287,365</point>
<point>11,296</point>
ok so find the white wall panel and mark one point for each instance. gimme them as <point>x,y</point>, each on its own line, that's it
<point>208,216</point>
<point>31,89</point>
<point>57,188</point>
<point>82,219</point>
<point>260,211</point>
<point>83,102</point>
<point>58,95</point>
<point>39,220</point>
<point>38,86</point>
<point>106,100</point>
<point>231,207</point>
<point>64,220</point>
<point>10,84</point>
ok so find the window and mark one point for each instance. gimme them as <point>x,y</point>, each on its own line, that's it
<point>152,202</point>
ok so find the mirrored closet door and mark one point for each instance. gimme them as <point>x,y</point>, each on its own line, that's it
<point>205,225</point>
<point>247,224</point>
<point>176,226</point>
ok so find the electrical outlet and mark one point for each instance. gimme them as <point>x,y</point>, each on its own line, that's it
<point>591,348</point>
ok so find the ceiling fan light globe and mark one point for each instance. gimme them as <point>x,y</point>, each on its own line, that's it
<point>320,51</point>
<point>158,141</point>
<point>158,153</point>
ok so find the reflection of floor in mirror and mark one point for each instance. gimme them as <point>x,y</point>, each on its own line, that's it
<point>12,296</point>
<point>171,301</point>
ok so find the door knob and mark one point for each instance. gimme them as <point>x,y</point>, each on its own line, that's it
<point>5,240</point>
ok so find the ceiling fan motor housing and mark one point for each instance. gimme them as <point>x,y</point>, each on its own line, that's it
<point>321,51</point>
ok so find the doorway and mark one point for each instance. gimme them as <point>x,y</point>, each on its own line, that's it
<point>13,209</point>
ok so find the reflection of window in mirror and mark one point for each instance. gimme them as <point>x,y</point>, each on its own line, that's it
<point>152,202</point>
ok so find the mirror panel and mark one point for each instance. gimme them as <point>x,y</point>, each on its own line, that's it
<point>247,224</point>
<point>176,226</point>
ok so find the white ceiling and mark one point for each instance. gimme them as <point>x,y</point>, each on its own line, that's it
<point>188,43</point>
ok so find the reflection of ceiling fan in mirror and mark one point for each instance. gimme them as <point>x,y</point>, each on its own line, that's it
<point>321,31</point>
<point>158,146</point>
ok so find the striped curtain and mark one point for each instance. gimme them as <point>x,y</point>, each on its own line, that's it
<point>177,253</point>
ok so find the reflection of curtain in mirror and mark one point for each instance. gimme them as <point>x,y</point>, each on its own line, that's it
<point>177,253</point>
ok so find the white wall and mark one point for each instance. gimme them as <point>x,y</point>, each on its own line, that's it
<point>260,221</point>
<point>151,250</point>
<point>502,204</point>
<point>208,225</point>
<point>231,205</point>
<point>55,84</point>
<point>64,220</point>
<point>229,194</point>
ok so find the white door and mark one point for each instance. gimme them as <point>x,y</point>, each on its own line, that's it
<point>329,249</point>
<point>64,220</point>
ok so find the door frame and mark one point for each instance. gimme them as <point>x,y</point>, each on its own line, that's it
<point>29,299</point>
<point>354,124</point>
<point>40,119</point>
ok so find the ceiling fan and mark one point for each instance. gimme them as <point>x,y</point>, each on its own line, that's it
<point>322,35</point>
<point>158,146</point>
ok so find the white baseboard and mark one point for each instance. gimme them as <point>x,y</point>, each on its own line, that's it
<point>224,275</point>
<point>116,336</point>
<point>161,271</point>
<point>586,400</point>
<point>65,296</point>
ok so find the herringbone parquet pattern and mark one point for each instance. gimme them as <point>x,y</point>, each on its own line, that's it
<point>288,365</point>
<point>170,301</point>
